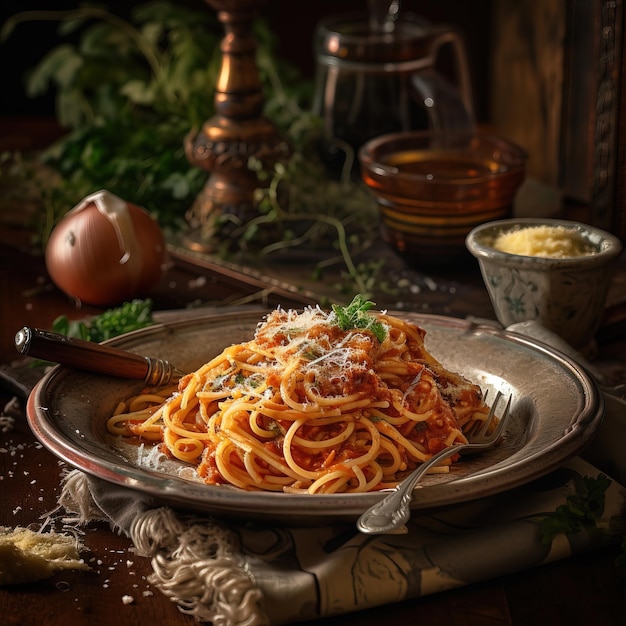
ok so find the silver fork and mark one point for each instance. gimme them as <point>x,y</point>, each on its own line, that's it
<point>392,512</point>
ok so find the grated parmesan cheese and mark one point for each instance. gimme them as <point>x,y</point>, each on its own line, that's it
<point>555,242</point>
<point>26,556</point>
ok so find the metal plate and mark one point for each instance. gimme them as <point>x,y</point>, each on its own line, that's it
<point>557,410</point>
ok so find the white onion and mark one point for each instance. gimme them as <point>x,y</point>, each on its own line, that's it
<point>105,251</point>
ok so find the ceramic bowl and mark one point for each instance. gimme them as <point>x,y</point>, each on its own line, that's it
<point>433,187</point>
<point>565,295</point>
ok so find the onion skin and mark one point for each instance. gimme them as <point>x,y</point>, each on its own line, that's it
<point>105,251</point>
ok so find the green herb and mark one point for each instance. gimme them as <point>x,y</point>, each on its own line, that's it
<point>219,381</point>
<point>130,90</point>
<point>310,351</point>
<point>356,315</point>
<point>301,205</point>
<point>583,508</point>
<point>127,317</point>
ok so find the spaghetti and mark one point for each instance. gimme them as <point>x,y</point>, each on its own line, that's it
<point>311,404</point>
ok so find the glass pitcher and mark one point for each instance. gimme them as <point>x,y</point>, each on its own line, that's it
<point>371,82</point>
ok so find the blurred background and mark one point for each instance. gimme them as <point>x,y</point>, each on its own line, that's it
<point>292,23</point>
<point>546,74</point>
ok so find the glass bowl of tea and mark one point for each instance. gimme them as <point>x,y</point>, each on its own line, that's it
<point>433,187</point>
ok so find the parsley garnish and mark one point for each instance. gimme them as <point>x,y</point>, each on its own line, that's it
<point>128,316</point>
<point>356,315</point>
<point>582,508</point>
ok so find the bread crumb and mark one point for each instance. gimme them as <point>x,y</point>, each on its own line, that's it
<point>27,556</point>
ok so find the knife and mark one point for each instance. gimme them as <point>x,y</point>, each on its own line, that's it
<point>94,357</point>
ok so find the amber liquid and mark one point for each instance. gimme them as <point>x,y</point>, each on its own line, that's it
<point>442,165</point>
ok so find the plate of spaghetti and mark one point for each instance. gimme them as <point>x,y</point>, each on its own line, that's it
<point>297,416</point>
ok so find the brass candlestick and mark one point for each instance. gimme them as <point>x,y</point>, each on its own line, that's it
<point>237,132</point>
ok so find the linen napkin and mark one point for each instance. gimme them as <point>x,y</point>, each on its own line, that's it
<point>254,575</point>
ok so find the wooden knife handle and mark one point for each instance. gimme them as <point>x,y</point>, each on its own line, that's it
<point>91,356</point>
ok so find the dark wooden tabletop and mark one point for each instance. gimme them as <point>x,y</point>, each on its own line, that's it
<point>582,590</point>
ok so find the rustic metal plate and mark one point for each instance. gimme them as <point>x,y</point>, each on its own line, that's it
<point>557,410</point>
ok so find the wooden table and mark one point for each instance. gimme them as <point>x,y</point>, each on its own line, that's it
<point>583,590</point>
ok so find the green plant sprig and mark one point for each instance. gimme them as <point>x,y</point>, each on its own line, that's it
<point>357,315</point>
<point>321,214</point>
<point>584,507</point>
<point>130,91</point>
<point>128,316</point>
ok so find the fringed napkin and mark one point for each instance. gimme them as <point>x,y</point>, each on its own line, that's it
<point>249,574</point>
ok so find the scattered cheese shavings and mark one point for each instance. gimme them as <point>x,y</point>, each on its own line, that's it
<point>27,556</point>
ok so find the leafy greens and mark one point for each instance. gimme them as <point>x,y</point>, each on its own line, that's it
<point>356,315</point>
<point>130,90</point>
<point>127,317</point>
<point>582,508</point>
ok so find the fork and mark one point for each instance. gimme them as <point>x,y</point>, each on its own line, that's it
<point>389,515</point>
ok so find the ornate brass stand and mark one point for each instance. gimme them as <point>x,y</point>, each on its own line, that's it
<point>237,132</point>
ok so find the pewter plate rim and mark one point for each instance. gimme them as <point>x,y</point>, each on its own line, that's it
<point>558,409</point>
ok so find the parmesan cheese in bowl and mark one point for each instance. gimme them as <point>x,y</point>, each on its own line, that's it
<point>556,272</point>
<point>553,242</point>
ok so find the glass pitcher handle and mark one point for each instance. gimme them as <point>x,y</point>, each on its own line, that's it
<point>453,39</point>
<point>448,106</point>
<point>442,102</point>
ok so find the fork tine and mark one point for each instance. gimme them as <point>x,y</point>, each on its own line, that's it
<point>503,419</point>
<point>391,513</point>
<point>490,416</point>
<point>480,429</point>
